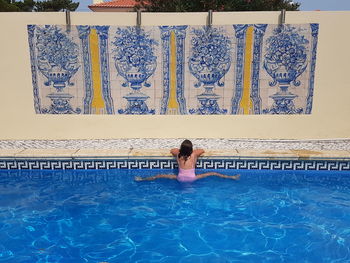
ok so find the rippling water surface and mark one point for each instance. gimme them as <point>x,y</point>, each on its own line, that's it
<point>104,216</point>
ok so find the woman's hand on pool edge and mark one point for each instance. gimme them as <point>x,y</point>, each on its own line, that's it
<point>175,151</point>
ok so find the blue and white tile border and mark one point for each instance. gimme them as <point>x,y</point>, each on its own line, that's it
<point>167,163</point>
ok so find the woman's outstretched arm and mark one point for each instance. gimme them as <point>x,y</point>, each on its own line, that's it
<point>151,178</point>
<point>234,177</point>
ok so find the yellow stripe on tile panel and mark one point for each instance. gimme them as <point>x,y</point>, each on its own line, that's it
<point>97,104</point>
<point>173,106</point>
<point>246,104</point>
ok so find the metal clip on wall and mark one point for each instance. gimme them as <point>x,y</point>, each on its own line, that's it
<point>210,18</point>
<point>138,18</point>
<point>68,23</point>
<point>283,17</point>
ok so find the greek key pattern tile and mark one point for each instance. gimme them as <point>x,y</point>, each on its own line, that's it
<point>84,164</point>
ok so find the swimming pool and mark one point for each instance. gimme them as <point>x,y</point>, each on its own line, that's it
<point>104,216</point>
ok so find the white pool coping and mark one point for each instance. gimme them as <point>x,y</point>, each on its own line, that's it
<point>160,148</point>
<point>220,144</point>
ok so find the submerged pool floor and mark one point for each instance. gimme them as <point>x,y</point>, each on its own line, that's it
<point>105,216</point>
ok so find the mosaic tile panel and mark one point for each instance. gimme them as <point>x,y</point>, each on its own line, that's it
<point>228,69</point>
<point>74,164</point>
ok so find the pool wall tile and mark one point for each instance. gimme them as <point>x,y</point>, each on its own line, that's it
<point>9,152</point>
<point>43,153</point>
<point>101,153</point>
<point>267,154</point>
<point>150,152</point>
<point>166,163</point>
<point>220,153</point>
<point>307,154</point>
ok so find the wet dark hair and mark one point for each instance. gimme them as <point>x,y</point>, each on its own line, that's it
<point>186,149</point>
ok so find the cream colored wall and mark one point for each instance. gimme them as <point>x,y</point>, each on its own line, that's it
<point>330,117</point>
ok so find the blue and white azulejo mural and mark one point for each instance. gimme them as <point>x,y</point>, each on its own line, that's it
<point>228,69</point>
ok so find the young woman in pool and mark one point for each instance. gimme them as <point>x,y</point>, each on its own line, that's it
<point>186,158</point>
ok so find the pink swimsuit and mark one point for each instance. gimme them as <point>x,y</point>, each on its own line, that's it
<point>186,175</point>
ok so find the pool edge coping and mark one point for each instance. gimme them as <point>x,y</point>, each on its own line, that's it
<point>105,154</point>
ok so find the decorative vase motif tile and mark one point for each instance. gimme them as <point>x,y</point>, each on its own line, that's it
<point>230,69</point>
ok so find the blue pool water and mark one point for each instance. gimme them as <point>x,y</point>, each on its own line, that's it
<point>104,216</point>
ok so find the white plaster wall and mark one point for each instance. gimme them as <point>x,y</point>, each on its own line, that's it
<point>330,116</point>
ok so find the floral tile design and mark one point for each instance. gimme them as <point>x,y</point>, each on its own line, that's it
<point>230,69</point>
